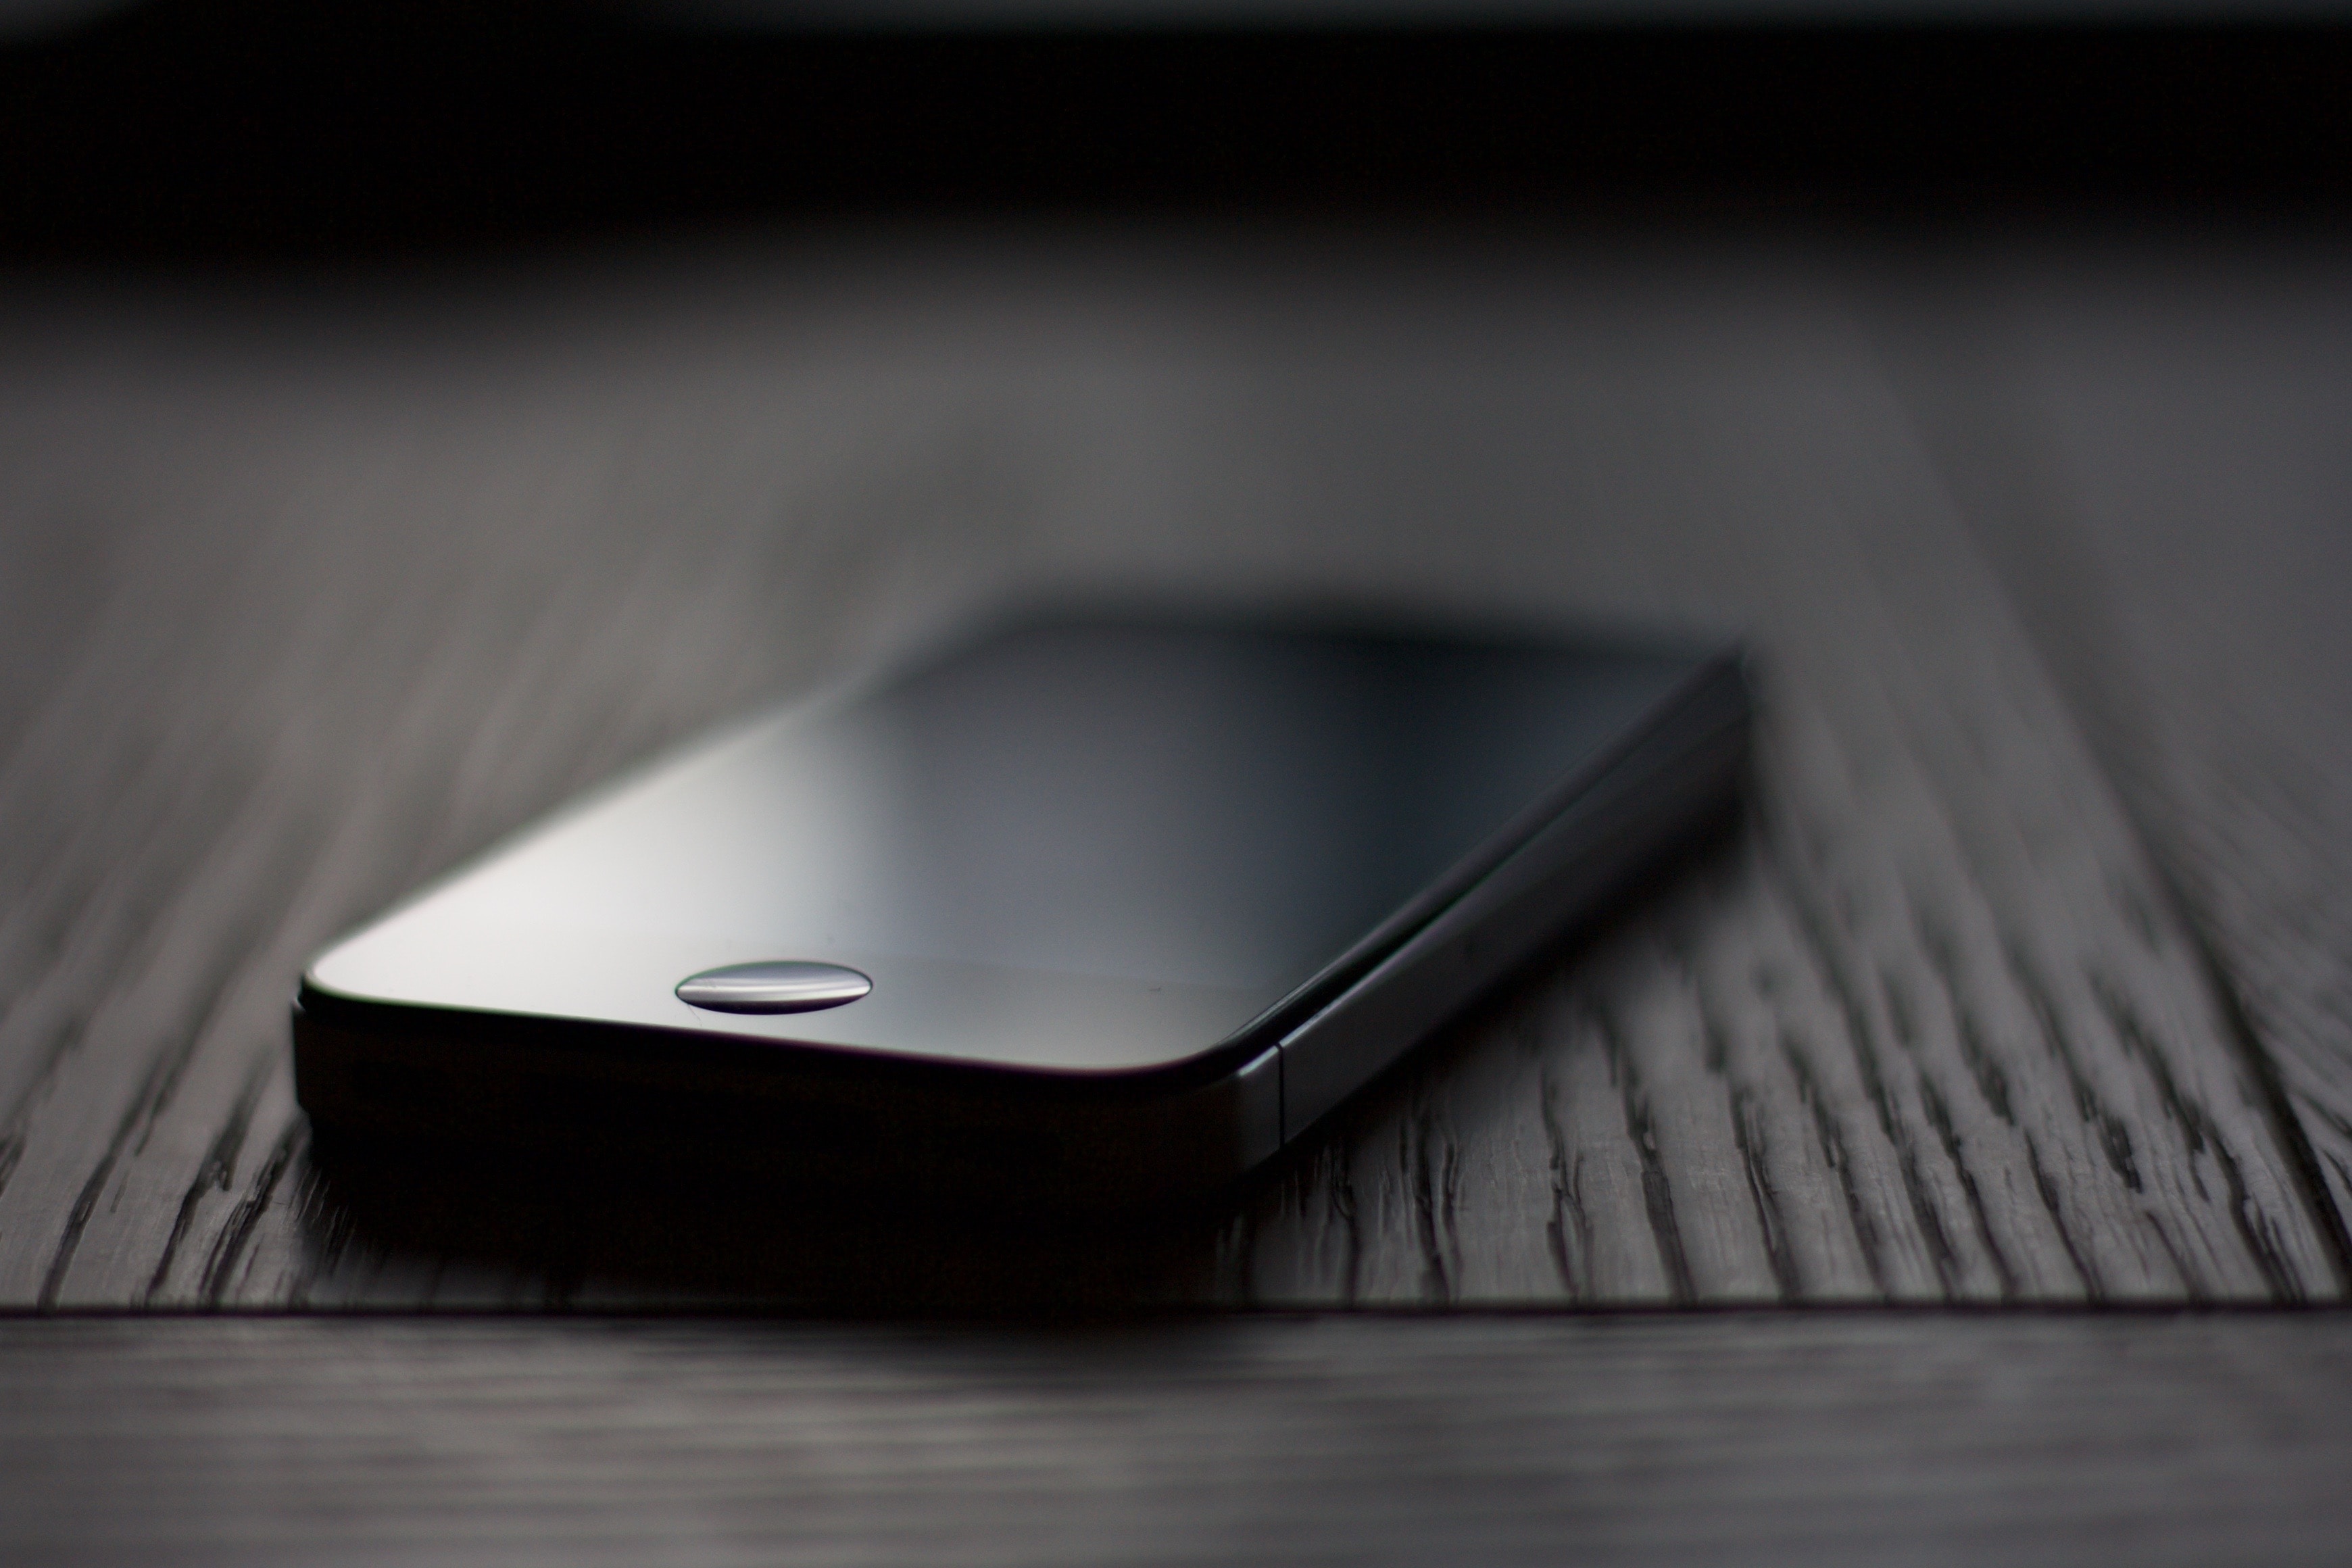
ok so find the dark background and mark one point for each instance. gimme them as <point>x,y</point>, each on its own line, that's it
<point>258,128</point>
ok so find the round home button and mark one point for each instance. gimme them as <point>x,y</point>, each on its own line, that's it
<point>785,987</point>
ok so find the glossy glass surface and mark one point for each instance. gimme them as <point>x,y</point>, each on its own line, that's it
<point>1079,846</point>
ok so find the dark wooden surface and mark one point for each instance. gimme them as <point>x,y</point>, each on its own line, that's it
<point>2153,445</point>
<point>2024,980</point>
<point>325,592</point>
<point>1774,1438</point>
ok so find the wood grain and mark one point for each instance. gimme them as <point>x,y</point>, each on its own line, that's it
<point>334,587</point>
<point>2154,437</point>
<point>1773,1438</point>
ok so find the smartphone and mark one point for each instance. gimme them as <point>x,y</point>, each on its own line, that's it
<point>1112,905</point>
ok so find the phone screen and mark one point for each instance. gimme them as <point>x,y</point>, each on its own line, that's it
<point>1220,812</point>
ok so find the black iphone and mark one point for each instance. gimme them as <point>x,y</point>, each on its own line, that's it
<point>1112,905</point>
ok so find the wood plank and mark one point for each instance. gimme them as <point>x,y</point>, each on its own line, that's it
<point>384,570</point>
<point>1752,1438</point>
<point>2152,441</point>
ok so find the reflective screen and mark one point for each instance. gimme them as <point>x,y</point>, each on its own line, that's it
<point>1201,818</point>
<point>1216,806</point>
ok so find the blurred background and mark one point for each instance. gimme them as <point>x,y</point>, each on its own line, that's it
<point>256,128</point>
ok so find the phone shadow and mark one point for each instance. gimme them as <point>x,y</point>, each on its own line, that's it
<point>600,1235</point>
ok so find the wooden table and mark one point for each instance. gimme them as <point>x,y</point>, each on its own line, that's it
<point>2026,983</point>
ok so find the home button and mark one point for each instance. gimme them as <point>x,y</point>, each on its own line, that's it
<point>784,985</point>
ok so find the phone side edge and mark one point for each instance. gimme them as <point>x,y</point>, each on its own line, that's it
<point>1685,772</point>
<point>1715,691</point>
